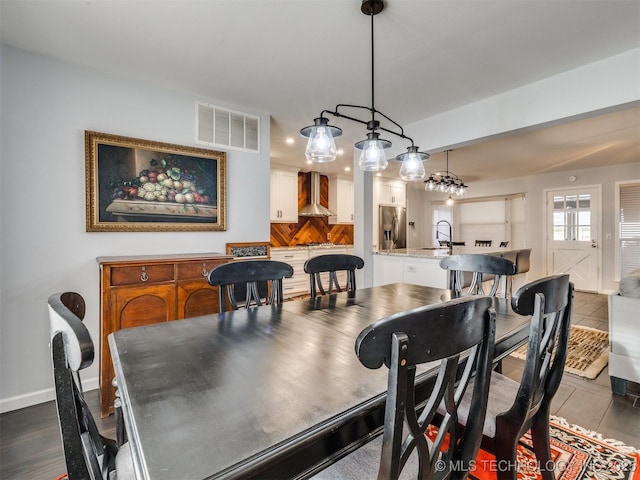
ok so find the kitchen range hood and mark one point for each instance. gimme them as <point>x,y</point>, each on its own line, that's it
<point>313,208</point>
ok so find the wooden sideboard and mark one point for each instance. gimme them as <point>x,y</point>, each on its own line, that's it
<point>141,290</point>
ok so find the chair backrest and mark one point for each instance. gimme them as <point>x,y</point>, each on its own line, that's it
<point>88,454</point>
<point>442,332</point>
<point>549,301</point>
<point>480,267</point>
<point>522,260</point>
<point>249,273</point>
<point>332,263</point>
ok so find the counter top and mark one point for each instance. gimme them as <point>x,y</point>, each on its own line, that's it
<point>415,252</point>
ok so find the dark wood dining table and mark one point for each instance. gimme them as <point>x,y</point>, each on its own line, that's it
<point>269,392</point>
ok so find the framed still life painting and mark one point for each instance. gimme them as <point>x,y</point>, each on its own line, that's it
<point>135,185</point>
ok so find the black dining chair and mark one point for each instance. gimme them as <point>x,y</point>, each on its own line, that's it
<point>332,264</point>
<point>88,454</point>
<point>471,270</point>
<point>459,335</point>
<point>247,275</point>
<point>515,407</point>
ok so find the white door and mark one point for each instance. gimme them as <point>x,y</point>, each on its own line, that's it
<point>573,218</point>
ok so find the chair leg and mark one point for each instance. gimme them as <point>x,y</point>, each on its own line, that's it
<point>542,445</point>
<point>505,446</point>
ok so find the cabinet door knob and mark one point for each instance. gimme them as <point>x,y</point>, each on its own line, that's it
<point>144,277</point>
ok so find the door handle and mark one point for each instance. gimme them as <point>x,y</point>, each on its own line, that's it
<point>594,244</point>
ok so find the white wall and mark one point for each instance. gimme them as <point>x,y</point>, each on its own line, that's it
<point>534,187</point>
<point>44,248</point>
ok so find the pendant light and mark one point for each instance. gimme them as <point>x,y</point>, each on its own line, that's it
<point>321,145</point>
<point>446,182</point>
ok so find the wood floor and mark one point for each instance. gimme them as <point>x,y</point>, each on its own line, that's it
<point>30,446</point>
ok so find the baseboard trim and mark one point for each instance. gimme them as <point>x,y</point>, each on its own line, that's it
<point>41,396</point>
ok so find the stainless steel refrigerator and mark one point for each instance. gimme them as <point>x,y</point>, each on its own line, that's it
<point>392,222</point>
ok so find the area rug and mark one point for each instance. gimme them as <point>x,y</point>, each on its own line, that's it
<point>588,351</point>
<point>577,454</point>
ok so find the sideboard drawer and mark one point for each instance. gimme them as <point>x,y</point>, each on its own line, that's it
<point>142,274</point>
<point>197,270</point>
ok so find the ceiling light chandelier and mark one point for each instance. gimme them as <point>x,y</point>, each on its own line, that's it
<point>445,182</point>
<point>321,146</point>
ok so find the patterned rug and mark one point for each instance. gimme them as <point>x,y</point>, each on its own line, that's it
<point>588,351</point>
<point>578,454</point>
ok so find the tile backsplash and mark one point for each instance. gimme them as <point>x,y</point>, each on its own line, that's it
<point>310,229</point>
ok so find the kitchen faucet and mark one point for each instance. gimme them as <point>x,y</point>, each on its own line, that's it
<point>450,234</point>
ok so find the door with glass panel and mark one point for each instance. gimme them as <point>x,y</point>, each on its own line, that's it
<point>573,236</point>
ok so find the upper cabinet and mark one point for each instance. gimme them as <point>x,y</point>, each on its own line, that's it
<point>284,195</point>
<point>391,192</point>
<point>341,199</point>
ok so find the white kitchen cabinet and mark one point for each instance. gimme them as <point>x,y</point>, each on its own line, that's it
<point>341,199</point>
<point>391,193</point>
<point>298,284</point>
<point>408,269</point>
<point>284,195</point>
<point>324,277</point>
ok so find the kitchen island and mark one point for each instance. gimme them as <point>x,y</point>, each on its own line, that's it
<point>410,265</point>
<point>421,266</point>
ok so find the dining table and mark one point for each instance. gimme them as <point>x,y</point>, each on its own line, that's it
<point>268,392</point>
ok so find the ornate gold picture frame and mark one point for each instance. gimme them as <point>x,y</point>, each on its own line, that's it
<point>135,185</point>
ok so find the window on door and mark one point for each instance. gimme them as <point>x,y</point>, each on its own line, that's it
<point>572,217</point>
<point>628,241</point>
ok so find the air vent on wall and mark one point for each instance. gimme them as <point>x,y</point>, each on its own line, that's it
<point>221,127</point>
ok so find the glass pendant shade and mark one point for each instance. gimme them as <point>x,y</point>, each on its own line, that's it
<point>412,167</point>
<point>430,185</point>
<point>372,156</point>
<point>321,146</point>
<point>449,201</point>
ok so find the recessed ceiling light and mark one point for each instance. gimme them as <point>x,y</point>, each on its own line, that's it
<point>347,169</point>
<point>378,174</point>
<point>340,151</point>
<point>290,140</point>
<point>309,162</point>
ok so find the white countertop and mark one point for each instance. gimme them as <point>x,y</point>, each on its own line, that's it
<point>415,252</point>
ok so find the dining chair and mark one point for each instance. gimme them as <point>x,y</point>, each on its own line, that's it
<point>458,336</point>
<point>472,269</point>
<point>332,263</point>
<point>88,454</point>
<point>248,274</point>
<point>515,407</point>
